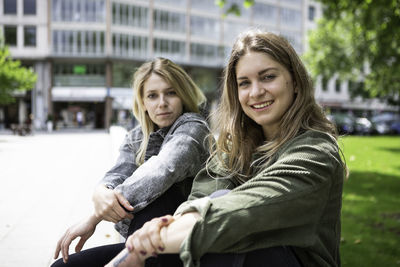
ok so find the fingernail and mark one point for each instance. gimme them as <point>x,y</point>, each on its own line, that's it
<point>154,254</point>
<point>165,220</point>
<point>143,252</point>
<point>161,248</point>
<point>129,247</point>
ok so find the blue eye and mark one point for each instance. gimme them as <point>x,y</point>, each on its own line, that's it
<point>151,96</point>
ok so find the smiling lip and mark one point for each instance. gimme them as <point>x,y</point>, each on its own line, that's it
<point>262,105</point>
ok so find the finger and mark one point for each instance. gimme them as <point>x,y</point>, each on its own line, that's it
<point>58,247</point>
<point>139,250</point>
<point>80,244</point>
<point>118,209</point>
<point>123,201</point>
<point>144,238</point>
<point>65,247</point>
<point>112,216</point>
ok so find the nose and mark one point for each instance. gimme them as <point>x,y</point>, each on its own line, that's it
<point>256,90</point>
<point>163,101</point>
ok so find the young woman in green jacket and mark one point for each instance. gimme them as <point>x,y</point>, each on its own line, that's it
<point>279,160</point>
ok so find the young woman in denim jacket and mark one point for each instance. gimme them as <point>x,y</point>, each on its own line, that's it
<point>157,163</point>
<point>278,157</point>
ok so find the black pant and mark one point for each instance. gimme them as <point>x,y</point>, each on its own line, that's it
<point>167,203</point>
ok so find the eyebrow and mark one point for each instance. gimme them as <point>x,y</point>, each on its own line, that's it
<point>259,73</point>
<point>155,90</point>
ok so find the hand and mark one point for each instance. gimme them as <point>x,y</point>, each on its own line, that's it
<point>146,242</point>
<point>84,229</point>
<point>109,205</point>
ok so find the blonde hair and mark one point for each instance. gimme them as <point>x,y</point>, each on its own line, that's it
<point>191,96</point>
<point>239,136</point>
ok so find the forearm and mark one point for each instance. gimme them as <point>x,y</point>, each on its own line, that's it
<point>175,233</point>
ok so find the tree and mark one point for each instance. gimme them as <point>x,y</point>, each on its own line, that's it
<point>233,8</point>
<point>13,77</point>
<point>359,40</point>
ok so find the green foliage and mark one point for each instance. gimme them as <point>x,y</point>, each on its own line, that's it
<point>13,77</point>
<point>233,8</point>
<point>359,39</point>
<point>370,211</point>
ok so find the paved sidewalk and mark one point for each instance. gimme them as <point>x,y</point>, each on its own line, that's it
<point>46,185</point>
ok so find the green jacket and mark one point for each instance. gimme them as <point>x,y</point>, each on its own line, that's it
<point>294,201</point>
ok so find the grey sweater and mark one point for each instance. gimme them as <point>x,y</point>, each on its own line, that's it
<point>173,154</point>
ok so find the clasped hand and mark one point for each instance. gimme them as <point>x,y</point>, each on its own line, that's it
<point>111,205</point>
<point>142,244</point>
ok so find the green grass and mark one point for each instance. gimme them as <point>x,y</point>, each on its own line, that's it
<point>371,202</point>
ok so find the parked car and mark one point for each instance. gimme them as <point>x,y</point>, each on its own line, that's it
<point>345,124</point>
<point>363,126</point>
<point>386,123</point>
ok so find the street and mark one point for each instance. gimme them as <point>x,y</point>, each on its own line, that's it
<point>46,184</point>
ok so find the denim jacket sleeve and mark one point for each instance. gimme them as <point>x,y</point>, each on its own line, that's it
<point>182,155</point>
<point>126,163</point>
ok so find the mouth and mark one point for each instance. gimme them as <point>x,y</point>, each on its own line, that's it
<point>164,114</point>
<point>262,105</point>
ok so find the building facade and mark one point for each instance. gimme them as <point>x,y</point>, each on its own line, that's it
<point>85,51</point>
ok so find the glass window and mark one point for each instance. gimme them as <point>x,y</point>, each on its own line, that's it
<point>207,27</point>
<point>311,13</point>
<point>79,74</point>
<point>122,74</point>
<point>169,21</point>
<point>205,5</point>
<point>291,17</point>
<point>80,42</point>
<point>79,10</point>
<point>169,48</point>
<point>10,6</point>
<point>265,12</point>
<point>29,36</point>
<point>294,39</point>
<point>206,54</point>
<point>324,84</point>
<point>338,86</point>
<point>29,7</point>
<point>10,35</point>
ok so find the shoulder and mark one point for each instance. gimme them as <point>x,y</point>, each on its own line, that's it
<point>313,144</point>
<point>189,120</point>
<point>135,135</point>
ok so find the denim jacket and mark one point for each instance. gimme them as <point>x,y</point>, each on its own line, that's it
<point>173,154</point>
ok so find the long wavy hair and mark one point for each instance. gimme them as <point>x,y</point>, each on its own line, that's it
<point>239,137</point>
<point>192,97</point>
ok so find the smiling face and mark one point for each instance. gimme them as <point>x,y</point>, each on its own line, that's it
<point>161,101</point>
<point>265,90</point>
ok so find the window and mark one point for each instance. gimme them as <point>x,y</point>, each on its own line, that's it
<point>311,13</point>
<point>337,86</point>
<point>10,35</point>
<point>29,36</point>
<point>324,84</point>
<point>10,7</point>
<point>82,10</point>
<point>206,27</point>
<point>265,12</point>
<point>79,74</point>
<point>29,7</point>
<point>169,21</point>
<point>78,42</point>
<point>290,17</point>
